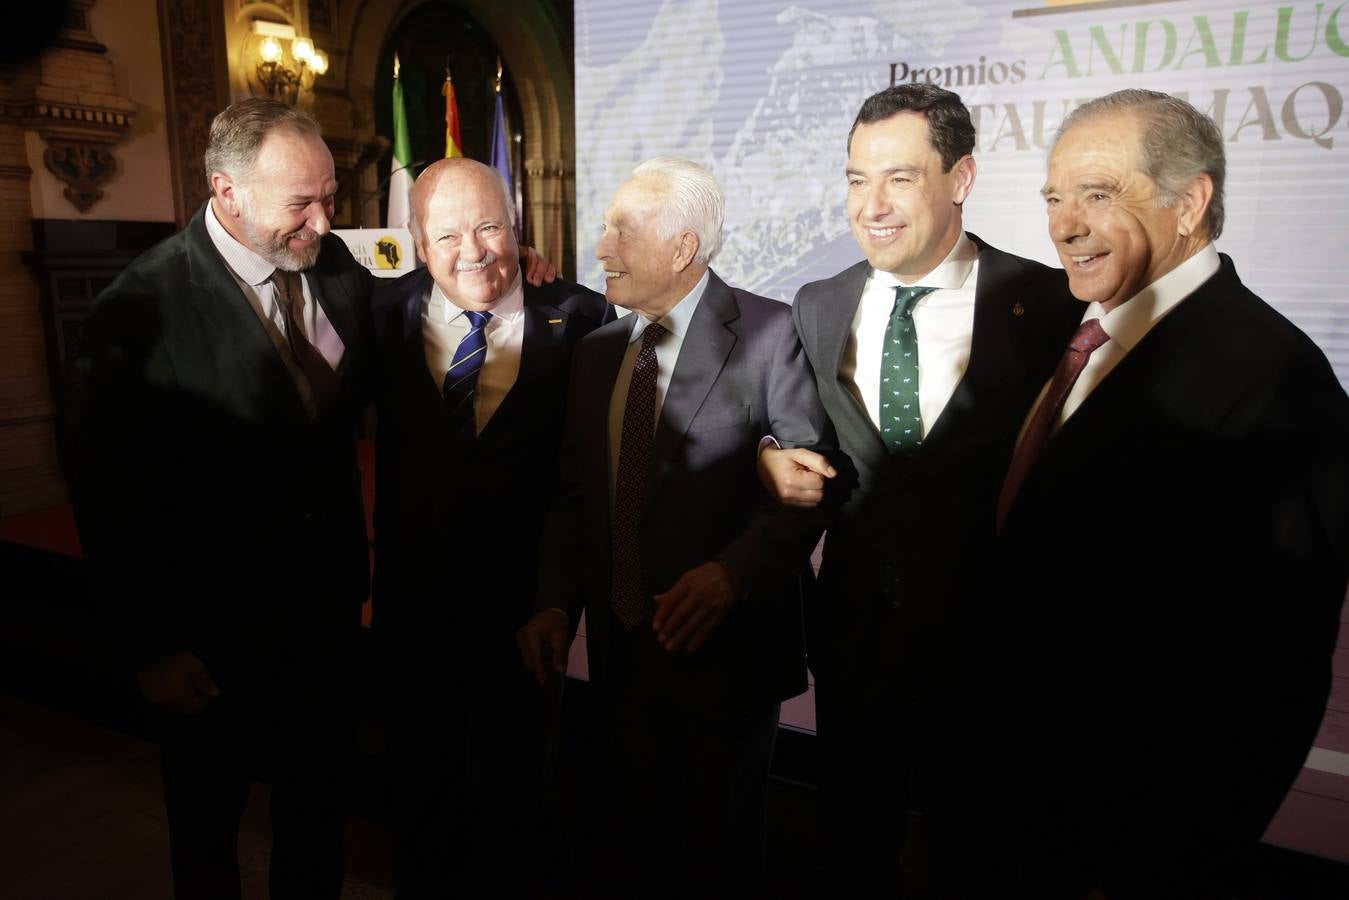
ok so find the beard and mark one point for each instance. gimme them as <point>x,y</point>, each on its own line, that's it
<point>274,247</point>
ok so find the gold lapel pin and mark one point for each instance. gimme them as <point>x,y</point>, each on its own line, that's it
<point>554,321</point>
<point>1018,309</point>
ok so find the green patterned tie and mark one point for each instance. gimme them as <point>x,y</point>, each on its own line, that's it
<point>901,420</point>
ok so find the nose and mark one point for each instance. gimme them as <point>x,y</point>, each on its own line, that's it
<point>1066,223</point>
<point>875,203</point>
<point>317,219</point>
<point>602,248</point>
<point>470,247</point>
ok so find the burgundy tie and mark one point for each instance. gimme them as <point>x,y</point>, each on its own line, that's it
<point>634,459</point>
<point>1089,336</point>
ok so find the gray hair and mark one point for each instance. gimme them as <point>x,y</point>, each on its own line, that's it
<point>436,171</point>
<point>1178,144</point>
<point>696,202</point>
<point>238,132</point>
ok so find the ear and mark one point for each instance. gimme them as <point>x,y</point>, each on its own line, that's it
<point>223,187</point>
<point>963,172</point>
<point>685,250</point>
<point>1192,205</point>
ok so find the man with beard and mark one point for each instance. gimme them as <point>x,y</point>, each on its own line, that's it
<point>220,500</point>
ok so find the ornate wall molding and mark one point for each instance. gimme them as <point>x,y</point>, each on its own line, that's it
<point>196,87</point>
<point>84,168</point>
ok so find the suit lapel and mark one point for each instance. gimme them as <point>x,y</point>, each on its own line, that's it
<point>833,324</point>
<point>707,343</point>
<point>544,329</point>
<point>230,318</point>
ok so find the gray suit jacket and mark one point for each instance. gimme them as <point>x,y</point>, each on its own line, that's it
<point>741,374</point>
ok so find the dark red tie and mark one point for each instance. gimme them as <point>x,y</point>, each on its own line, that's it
<point>1089,336</point>
<point>634,460</point>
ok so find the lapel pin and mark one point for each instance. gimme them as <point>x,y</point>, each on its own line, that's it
<point>554,321</point>
<point>1018,310</point>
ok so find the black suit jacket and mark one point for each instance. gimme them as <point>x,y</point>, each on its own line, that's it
<point>913,531</point>
<point>215,509</point>
<point>1167,594</point>
<point>457,519</point>
<point>740,375</point>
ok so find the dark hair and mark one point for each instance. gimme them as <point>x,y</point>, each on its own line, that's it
<point>238,132</point>
<point>948,121</point>
<point>1178,144</point>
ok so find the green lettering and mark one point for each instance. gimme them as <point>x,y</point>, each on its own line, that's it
<point>1333,38</point>
<point>1062,55</point>
<point>1112,59</point>
<point>1141,45</point>
<point>1281,35</point>
<point>1207,48</point>
<point>1239,42</point>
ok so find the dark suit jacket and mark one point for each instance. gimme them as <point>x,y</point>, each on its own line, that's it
<point>740,375</point>
<point>1169,583</point>
<point>457,520</point>
<point>215,509</point>
<point>913,530</point>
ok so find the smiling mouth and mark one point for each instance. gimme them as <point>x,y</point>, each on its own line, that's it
<point>608,274</point>
<point>882,232</point>
<point>1080,260</point>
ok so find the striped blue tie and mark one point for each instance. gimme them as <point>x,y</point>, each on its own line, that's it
<point>461,381</point>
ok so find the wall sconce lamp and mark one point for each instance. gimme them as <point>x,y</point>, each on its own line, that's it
<point>280,79</point>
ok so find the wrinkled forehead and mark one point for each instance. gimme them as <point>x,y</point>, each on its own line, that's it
<point>456,196</point>
<point>637,198</point>
<point>291,161</point>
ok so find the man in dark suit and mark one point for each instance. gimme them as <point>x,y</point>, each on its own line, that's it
<point>472,380</point>
<point>219,498</point>
<point>1174,546</point>
<point>688,577</point>
<point>927,355</point>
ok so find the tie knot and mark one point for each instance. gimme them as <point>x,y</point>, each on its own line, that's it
<point>1089,336</point>
<point>906,297</point>
<point>287,286</point>
<point>654,332</point>
<point>479,319</point>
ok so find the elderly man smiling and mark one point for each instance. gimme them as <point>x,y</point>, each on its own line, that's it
<point>1174,541</point>
<point>472,364</point>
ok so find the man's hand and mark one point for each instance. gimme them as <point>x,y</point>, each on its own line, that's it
<point>537,269</point>
<point>794,477</point>
<point>543,644</point>
<point>694,605</point>
<point>178,683</point>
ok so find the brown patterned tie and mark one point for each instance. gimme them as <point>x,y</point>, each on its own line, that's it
<point>634,458</point>
<point>1089,336</point>
<point>290,297</point>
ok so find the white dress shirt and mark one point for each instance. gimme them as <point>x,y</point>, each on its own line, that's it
<point>944,320</point>
<point>253,275</point>
<point>444,325</point>
<point>1127,324</point>
<point>676,322</point>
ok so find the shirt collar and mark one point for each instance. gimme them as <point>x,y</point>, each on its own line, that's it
<point>246,264</point>
<point>510,307</point>
<point>951,273</point>
<point>676,320</point>
<point>1131,320</point>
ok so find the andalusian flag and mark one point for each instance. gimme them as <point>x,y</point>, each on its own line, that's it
<point>454,144</point>
<point>400,176</point>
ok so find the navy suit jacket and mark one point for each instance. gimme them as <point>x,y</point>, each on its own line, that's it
<point>457,519</point>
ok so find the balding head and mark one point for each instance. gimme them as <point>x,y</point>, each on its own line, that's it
<point>453,169</point>
<point>463,223</point>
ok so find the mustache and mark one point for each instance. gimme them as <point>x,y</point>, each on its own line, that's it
<point>488,258</point>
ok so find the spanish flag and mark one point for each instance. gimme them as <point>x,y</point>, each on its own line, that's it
<point>454,144</point>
